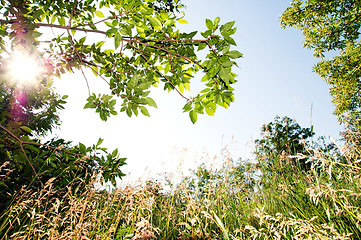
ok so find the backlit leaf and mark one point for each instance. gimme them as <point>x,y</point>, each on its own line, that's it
<point>26,129</point>
<point>224,75</point>
<point>117,40</point>
<point>164,15</point>
<point>193,116</point>
<point>156,24</point>
<point>216,21</point>
<point>234,54</point>
<point>144,111</point>
<point>99,14</point>
<point>182,21</point>
<point>209,24</point>
<point>151,102</point>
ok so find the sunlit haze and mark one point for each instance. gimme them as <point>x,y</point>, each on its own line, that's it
<point>24,69</point>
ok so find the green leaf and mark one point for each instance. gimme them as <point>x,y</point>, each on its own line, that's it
<point>117,40</point>
<point>213,71</point>
<point>53,18</point>
<point>82,40</point>
<point>187,107</point>
<point>89,105</point>
<point>36,34</point>
<point>187,86</point>
<point>99,44</point>
<point>209,111</point>
<point>144,111</point>
<point>135,109</point>
<point>144,85</point>
<point>206,34</point>
<point>230,40</point>
<point>210,108</point>
<point>114,23</point>
<point>82,148</point>
<point>209,24</point>
<point>122,31</point>
<point>129,111</point>
<point>156,24</point>
<point>181,88</point>
<point>37,13</point>
<point>164,15</point>
<point>26,129</point>
<point>226,27</point>
<point>115,153</point>
<point>169,22</point>
<point>32,148</point>
<point>146,11</point>
<point>220,224</point>
<point>193,116</point>
<point>216,21</point>
<point>151,102</point>
<point>182,21</point>
<point>133,82</point>
<point>61,20</point>
<point>205,90</point>
<point>212,105</point>
<point>95,70</point>
<point>234,54</point>
<point>100,141</point>
<point>198,108</point>
<point>109,24</point>
<point>202,45</point>
<point>224,75</point>
<point>113,112</point>
<point>140,32</point>
<point>99,14</point>
<point>227,63</point>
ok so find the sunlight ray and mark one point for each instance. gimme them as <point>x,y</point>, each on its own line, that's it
<point>24,69</point>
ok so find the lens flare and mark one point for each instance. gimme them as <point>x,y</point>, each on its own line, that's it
<point>24,69</point>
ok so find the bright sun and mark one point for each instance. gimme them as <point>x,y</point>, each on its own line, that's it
<point>24,69</point>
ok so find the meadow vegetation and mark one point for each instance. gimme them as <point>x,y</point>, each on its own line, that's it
<point>243,199</point>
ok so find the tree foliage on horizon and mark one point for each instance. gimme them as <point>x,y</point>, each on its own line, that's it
<point>282,138</point>
<point>332,28</point>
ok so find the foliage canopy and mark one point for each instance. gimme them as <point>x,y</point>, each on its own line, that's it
<point>282,138</point>
<point>333,27</point>
<point>131,45</point>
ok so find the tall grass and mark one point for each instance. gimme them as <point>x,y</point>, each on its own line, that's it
<point>213,203</point>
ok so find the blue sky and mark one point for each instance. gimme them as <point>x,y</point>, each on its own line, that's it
<point>275,78</point>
